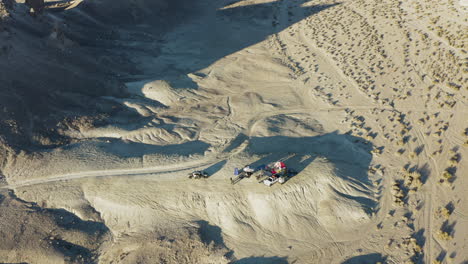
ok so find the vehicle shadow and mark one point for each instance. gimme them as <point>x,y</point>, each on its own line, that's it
<point>262,260</point>
<point>215,168</point>
<point>364,259</point>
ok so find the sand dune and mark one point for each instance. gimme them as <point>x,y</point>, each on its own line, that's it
<point>107,106</point>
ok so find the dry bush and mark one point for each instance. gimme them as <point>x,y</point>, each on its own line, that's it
<point>443,212</point>
<point>447,175</point>
<point>412,180</point>
<point>400,152</point>
<point>444,235</point>
<point>398,194</point>
<point>454,160</point>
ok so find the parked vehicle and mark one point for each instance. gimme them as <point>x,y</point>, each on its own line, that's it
<point>198,175</point>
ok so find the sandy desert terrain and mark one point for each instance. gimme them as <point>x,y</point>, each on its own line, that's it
<point>107,106</point>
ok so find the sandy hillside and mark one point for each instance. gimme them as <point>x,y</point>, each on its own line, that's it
<point>107,106</point>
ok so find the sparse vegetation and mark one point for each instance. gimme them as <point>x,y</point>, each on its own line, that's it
<point>391,71</point>
<point>453,162</point>
<point>444,235</point>
<point>447,175</point>
<point>443,212</point>
<point>398,194</point>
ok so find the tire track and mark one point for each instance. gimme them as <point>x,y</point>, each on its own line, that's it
<point>113,173</point>
<point>429,198</point>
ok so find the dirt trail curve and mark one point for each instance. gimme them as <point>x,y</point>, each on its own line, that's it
<point>188,165</point>
<point>112,173</point>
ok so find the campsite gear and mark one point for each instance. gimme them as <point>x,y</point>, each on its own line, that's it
<point>248,169</point>
<point>279,173</point>
<point>245,172</point>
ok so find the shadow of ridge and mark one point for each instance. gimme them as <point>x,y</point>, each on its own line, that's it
<point>69,222</point>
<point>261,260</point>
<point>366,259</point>
<point>65,219</point>
<point>229,34</point>
<point>215,168</point>
<point>210,234</point>
<point>139,149</point>
<point>73,252</point>
<point>83,73</point>
<point>350,155</point>
<point>122,149</point>
<point>369,203</point>
<point>236,142</point>
<point>256,15</point>
<point>332,145</point>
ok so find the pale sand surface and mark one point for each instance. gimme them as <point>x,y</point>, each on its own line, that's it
<point>367,100</point>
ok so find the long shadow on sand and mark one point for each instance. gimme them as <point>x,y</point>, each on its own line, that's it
<point>230,35</point>
<point>71,222</point>
<point>170,39</point>
<point>203,33</point>
<point>210,234</point>
<point>234,29</point>
<point>366,259</point>
<point>139,149</point>
<point>109,47</point>
<point>350,155</point>
<point>215,168</point>
<point>262,260</point>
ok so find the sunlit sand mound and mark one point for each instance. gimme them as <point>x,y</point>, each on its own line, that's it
<point>183,245</point>
<point>34,234</point>
<point>162,92</point>
<point>330,198</point>
<point>316,193</point>
<point>320,204</point>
